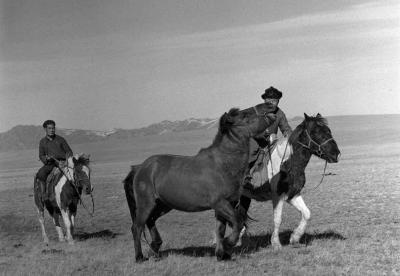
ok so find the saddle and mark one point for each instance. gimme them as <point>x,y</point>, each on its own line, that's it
<point>48,189</point>
<point>259,171</point>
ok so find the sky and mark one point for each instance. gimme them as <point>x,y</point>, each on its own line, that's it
<point>126,64</point>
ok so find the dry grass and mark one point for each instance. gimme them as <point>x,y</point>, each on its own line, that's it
<point>354,229</point>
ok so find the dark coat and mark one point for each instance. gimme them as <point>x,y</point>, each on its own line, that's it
<point>57,148</point>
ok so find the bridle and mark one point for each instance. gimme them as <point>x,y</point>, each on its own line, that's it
<point>319,151</point>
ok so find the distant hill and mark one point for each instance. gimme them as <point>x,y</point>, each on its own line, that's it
<point>28,136</point>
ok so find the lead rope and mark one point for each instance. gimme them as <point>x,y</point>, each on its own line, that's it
<point>320,182</point>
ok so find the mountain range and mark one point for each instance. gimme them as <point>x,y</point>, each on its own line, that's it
<point>28,136</point>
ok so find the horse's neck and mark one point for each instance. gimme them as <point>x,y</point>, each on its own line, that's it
<point>300,157</point>
<point>238,151</point>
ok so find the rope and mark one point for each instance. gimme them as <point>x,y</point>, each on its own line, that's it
<point>320,182</point>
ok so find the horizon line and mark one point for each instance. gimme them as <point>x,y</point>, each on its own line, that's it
<point>289,119</point>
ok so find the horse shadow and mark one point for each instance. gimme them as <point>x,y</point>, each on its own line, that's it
<point>251,244</point>
<point>103,234</point>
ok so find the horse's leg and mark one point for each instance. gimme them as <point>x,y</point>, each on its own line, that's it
<point>144,208</point>
<point>72,219</point>
<point>224,209</point>
<point>68,225</point>
<point>277,203</point>
<point>156,241</point>
<point>56,220</point>
<point>299,204</point>
<point>219,235</point>
<point>41,221</point>
<point>244,205</point>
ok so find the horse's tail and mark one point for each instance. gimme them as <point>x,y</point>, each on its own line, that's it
<point>128,186</point>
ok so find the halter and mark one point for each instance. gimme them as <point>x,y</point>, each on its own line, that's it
<point>319,152</point>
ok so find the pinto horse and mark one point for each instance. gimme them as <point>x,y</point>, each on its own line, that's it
<point>72,177</point>
<point>212,179</point>
<point>286,172</point>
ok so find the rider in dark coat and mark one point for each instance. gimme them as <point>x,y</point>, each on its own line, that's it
<point>271,96</point>
<point>52,147</point>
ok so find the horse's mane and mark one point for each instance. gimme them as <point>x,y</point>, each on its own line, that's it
<point>318,119</point>
<point>225,126</point>
<point>83,159</point>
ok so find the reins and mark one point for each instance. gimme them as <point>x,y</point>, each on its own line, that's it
<point>319,152</point>
<point>75,188</point>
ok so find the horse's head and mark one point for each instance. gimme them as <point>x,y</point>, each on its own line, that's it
<point>317,137</point>
<point>81,172</point>
<point>249,120</point>
<point>255,119</point>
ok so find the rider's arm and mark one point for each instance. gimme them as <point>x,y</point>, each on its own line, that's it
<point>284,125</point>
<point>42,152</point>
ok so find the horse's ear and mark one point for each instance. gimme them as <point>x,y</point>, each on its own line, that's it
<point>319,115</point>
<point>228,118</point>
<point>74,160</point>
<point>306,116</point>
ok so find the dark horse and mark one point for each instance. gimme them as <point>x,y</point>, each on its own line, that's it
<point>70,179</point>
<point>212,179</point>
<point>312,136</point>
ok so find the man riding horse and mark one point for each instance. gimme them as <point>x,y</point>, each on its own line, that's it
<point>52,149</point>
<point>260,146</point>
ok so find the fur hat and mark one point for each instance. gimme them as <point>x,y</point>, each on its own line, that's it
<point>271,93</point>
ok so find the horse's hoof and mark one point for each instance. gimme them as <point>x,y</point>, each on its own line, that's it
<point>277,246</point>
<point>46,241</point>
<point>140,259</point>
<point>224,257</point>
<point>155,247</point>
<point>297,245</point>
<point>71,242</point>
<point>294,240</point>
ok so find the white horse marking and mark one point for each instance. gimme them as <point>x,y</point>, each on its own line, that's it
<point>280,154</point>
<point>58,189</point>
<point>299,204</point>
<point>68,224</point>
<point>56,220</point>
<point>277,204</point>
<point>41,220</point>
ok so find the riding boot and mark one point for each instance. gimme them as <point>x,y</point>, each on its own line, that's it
<point>43,189</point>
<point>50,193</point>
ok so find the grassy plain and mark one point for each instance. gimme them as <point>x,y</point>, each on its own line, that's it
<point>354,227</point>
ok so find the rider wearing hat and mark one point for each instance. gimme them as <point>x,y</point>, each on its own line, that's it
<point>271,96</point>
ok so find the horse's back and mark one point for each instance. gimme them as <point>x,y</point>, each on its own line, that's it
<point>183,182</point>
